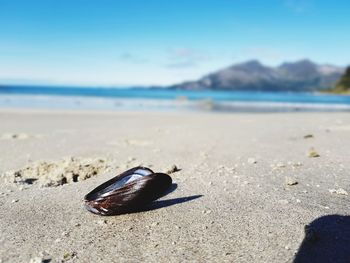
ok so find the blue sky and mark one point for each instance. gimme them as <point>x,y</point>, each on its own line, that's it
<point>146,42</point>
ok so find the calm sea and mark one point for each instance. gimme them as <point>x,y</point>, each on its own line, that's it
<point>163,99</point>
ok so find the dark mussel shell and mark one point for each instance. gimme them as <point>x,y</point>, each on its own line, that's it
<point>127,192</point>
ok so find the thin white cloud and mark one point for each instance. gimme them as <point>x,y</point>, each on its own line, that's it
<point>181,65</point>
<point>131,58</point>
<point>298,6</point>
<point>185,58</point>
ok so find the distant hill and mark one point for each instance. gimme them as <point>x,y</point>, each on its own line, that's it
<point>343,85</point>
<point>302,75</point>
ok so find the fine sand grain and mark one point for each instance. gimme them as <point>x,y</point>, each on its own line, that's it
<point>246,187</point>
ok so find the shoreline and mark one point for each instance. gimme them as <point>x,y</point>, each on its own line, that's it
<point>41,102</point>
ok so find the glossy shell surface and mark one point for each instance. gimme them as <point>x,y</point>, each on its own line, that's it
<point>127,192</point>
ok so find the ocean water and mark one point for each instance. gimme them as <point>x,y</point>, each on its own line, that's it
<point>163,99</point>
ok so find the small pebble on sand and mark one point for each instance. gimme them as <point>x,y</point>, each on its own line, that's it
<point>155,224</point>
<point>69,255</point>
<point>291,181</point>
<point>18,136</point>
<point>297,164</point>
<point>308,136</point>
<point>65,234</point>
<point>102,222</point>
<point>37,260</point>
<point>172,169</point>
<point>41,258</point>
<point>252,160</point>
<point>313,154</point>
<point>280,165</point>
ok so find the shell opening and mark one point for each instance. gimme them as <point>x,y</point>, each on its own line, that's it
<point>137,174</point>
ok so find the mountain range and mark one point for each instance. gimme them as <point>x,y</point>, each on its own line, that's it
<point>303,75</point>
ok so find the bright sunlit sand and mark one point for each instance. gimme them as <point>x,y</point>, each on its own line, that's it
<point>258,183</point>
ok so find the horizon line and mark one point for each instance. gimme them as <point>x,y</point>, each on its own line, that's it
<point>54,83</point>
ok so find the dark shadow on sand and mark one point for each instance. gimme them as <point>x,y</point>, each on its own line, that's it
<point>169,202</point>
<point>158,204</point>
<point>327,239</point>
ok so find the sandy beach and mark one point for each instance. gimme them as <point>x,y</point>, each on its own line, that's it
<point>248,186</point>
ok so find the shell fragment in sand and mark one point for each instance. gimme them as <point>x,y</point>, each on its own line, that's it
<point>339,191</point>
